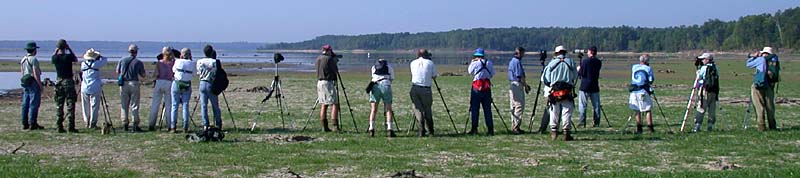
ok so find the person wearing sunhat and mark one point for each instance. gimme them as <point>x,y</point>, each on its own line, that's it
<point>559,79</point>
<point>763,89</point>
<point>482,71</point>
<point>31,88</point>
<point>65,95</point>
<point>91,86</point>
<point>327,70</point>
<point>129,70</point>
<point>708,85</point>
<point>161,90</point>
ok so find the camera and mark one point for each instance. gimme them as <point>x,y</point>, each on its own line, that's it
<point>338,56</point>
<point>278,57</point>
<point>579,51</point>
<point>542,55</point>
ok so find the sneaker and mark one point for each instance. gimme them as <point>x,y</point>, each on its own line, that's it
<point>371,133</point>
<point>151,128</point>
<point>136,129</point>
<point>61,130</point>
<point>391,133</point>
<point>553,135</point>
<point>568,136</point>
<point>472,132</point>
<point>518,131</point>
<point>36,127</point>
<point>651,128</point>
<point>125,128</point>
<point>638,129</point>
<point>26,127</point>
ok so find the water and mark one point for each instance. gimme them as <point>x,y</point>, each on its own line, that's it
<point>12,80</point>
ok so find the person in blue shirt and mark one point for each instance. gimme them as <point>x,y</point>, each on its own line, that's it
<point>516,76</point>
<point>763,96</point>
<point>91,86</point>
<point>640,91</point>
<point>482,71</point>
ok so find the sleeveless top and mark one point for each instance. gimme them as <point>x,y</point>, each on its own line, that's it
<point>165,70</point>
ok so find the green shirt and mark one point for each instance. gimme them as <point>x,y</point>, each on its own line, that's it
<point>63,63</point>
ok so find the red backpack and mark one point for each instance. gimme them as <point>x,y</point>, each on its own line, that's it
<point>482,85</point>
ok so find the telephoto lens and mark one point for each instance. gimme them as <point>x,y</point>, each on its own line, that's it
<point>579,51</point>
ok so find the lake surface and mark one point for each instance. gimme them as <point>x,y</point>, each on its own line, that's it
<point>11,80</point>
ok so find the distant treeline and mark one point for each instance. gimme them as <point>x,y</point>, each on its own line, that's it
<point>748,32</point>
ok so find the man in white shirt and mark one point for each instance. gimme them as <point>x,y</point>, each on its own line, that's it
<point>423,71</point>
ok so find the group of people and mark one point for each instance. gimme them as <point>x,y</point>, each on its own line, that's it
<point>173,75</point>
<point>175,69</point>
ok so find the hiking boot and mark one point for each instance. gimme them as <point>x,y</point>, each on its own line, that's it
<point>151,128</point>
<point>94,126</point>
<point>125,127</point>
<point>568,136</point>
<point>172,130</point>
<point>26,127</point>
<point>136,129</point>
<point>36,127</point>
<point>518,131</point>
<point>638,129</point>
<point>72,130</point>
<point>651,128</point>
<point>490,133</point>
<point>553,135</point>
<point>391,133</point>
<point>371,133</point>
<point>472,132</point>
<point>61,130</point>
<point>185,130</point>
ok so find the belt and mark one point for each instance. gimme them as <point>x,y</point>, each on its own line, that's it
<point>420,86</point>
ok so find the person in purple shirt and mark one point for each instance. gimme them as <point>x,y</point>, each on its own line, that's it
<point>482,71</point>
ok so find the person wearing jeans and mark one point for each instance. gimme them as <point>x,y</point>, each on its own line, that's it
<point>32,92</point>
<point>207,70</point>
<point>482,71</point>
<point>589,73</point>
<point>162,88</point>
<point>181,89</point>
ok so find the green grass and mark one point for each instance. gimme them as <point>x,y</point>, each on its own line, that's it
<point>598,152</point>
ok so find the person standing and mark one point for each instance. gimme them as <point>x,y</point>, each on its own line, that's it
<point>207,70</point>
<point>640,90</point>
<point>516,75</point>
<point>708,84</point>
<point>589,73</point>
<point>91,86</point>
<point>423,72</point>
<point>382,75</point>
<point>763,89</point>
<point>327,94</point>
<point>63,59</point>
<point>31,83</point>
<point>161,90</point>
<point>482,71</point>
<point>559,84</point>
<point>129,70</point>
<point>181,89</point>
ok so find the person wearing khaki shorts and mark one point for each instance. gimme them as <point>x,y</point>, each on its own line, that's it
<point>327,95</point>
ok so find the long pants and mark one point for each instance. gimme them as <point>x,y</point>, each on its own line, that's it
<point>516,95</point>
<point>91,107</point>
<point>594,97</point>
<point>482,99</point>
<point>129,93</point>
<point>31,99</point>
<point>65,96</point>
<point>764,102</point>
<point>180,98</point>
<point>161,93</point>
<point>561,111</point>
<point>708,104</point>
<point>422,97</point>
<point>205,96</point>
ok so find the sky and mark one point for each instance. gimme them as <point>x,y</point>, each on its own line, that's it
<point>299,20</point>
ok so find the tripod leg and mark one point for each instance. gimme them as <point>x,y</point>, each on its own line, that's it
<point>279,101</point>
<point>161,117</point>
<point>666,121</point>
<point>194,110</point>
<point>413,123</point>
<point>308,118</point>
<point>626,123</point>
<point>605,116</point>
<point>229,111</point>
<point>501,116</point>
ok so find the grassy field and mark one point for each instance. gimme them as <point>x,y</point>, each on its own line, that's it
<point>597,152</point>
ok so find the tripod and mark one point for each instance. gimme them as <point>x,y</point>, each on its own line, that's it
<point>275,88</point>
<point>108,126</point>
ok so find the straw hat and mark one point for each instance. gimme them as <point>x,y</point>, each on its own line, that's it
<point>91,54</point>
<point>767,50</point>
